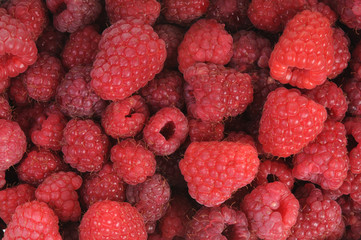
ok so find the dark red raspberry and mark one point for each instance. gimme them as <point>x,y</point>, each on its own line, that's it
<point>342,55</point>
<point>356,61</point>
<point>351,212</point>
<point>11,198</point>
<point>172,36</point>
<point>240,137</point>
<point>112,220</point>
<point>289,122</point>
<point>145,10</point>
<point>166,131</point>
<point>5,109</point>
<point>4,85</point>
<point>352,89</point>
<point>279,170</point>
<point>75,96</point>
<point>59,192</point>
<point>184,11</point>
<point>18,49</point>
<point>140,55</point>
<point>168,166</point>
<point>70,15</point>
<point>17,91</point>
<point>214,170</point>
<point>51,41</point>
<point>349,12</point>
<point>132,161</point>
<point>84,145</point>
<point>233,13</point>
<point>38,165</point>
<point>271,210</point>
<point>33,221</point>
<point>205,41</point>
<point>25,116</point>
<point>205,131</point>
<point>215,92</point>
<point>150,198</point>
<point>81,47</point>
<point>125,118</point>
<point>250,50</point>
<point>353,127</point>
<point>105,184</point>
<point>165,90</point>
<point>12,143</point>
<point>43,77</point>
<point>2,179</point>
<point>300,60</point>
<point>32,13</point>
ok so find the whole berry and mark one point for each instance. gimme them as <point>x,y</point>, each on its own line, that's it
<point>184,11</point>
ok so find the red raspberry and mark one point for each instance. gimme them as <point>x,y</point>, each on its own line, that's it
<point>249,51</point>
<point>42,78</point>
<point>165,90</point>
<point>349,12</point>
<point>205,41</point>
<point>272,210</point>
<point>352,89</point>
<point>2,179</point>
<point>319,216</point>
<point>145,10</point>
<point>84,145</point>
<point>125,118</point>
<point>184,11</point>
<point>11,198</point>
<point>351,186</point>
<point>240,137</point>
<point>32,13</point>
<point>17,91</point>
<point>70,15</point>
<point>200,131</point>
<point>300,60</point>
<point>214,170</point>
<point>18,49</point>
<point>140,55</point>
<point>38,165</point>
<point>279,170</point>
<point>75,96</point>
<point>132,161</point>
<point>5,109</point>
<point>342,55</point>
<point>356,61</point>
<point>233,13</point>
<point>12,143</point>
<point>172,36</point>
<point>25,116</point>
<point>289,122</point>
<point>352,215</point>
<point>166,131</point>
<point>51,41</point>
<point>150,198</point>
<point>324,161</point>
<point>105,184</point>
<point>32,221</point>
<point>59,192</point>
<point>353,127</point>
<point>215,92</point>
<point>4,85</point>
<point>112,220</point>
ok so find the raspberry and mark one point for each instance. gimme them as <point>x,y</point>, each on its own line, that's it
<point>2,179</point>
<point>240,137</point>
<point>350,186</point>
<point>299,59</point>
<point>4,85</point>
<point>140,55</point>
<point>132,161</point>
<point>51,41</point>
<point>184,11</point>
<point>356,61</point>
<point>166,131</point>
<point>165,90</point>
<point>215,92</point>
<point>17,91</point>
<point>205,41</point>
<point>349,12</point>
<point>25,116</point>
<point>38,165</point>
<point>279,170</point>
<point>31,13</point>
<point>103,185</point>
<point>342,55</point>
<point>70,15</point>
<point>289,122</point>
<point>18,50</point>
<point>12,143</point>
<point>42,78</point>
<point>84,145</point>
<point>272,210</point>
<point>352,216</point>
<point>324,161</point>
<point>232,13</point>
<point>75,96</point>
<point>332,98</point>
<point>172,36</point>
<point>319,216</point>
<point>5,109</point>
<point>33,220</point>
<point>112,220</point>
<point>13,197</point>
<point>145,10</point>
<point>214,170</point>
<point>200,131</point>
<point>353,127</point>
<point>59,192</point>
<point>249,51</point>
<point>150,198</point>
<point>352,89</point>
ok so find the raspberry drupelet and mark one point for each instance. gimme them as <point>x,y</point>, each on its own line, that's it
<point>352,88</point>
<point>200,131</point>
<point>184,12</point>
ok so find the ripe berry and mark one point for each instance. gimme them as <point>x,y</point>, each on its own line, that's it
<point>184,11</point>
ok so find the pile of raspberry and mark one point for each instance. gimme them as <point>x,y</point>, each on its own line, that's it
<point>180,120</point>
